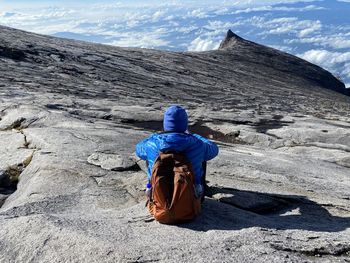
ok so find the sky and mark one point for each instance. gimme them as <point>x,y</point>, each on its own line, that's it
<point>315,30</point>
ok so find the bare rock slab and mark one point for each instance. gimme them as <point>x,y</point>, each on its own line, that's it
<point>72,112</point>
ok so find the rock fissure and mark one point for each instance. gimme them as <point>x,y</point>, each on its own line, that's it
<point>328,250</point>
<point>317,145</point>
<point>15,125</point>
<point>26,143</point>
<point>10,176</point>
<point>12,53</point>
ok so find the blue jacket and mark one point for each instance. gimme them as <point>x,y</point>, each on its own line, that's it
<point>195,147</point>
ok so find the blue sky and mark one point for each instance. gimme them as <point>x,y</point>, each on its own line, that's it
<point>318,31</point>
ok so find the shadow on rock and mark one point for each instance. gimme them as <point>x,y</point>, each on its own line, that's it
<point>199,128</point>
<point>232,209</point>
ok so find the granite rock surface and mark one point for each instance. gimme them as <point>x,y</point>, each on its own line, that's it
<point>71,113</point>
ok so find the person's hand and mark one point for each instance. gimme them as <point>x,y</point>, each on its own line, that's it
<point>148,191</point>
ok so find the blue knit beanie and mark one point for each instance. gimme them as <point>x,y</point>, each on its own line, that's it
<point>175,119</point>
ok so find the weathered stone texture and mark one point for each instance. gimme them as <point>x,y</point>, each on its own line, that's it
<point>71,113</point>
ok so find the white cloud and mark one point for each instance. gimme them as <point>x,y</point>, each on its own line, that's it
<point>186,29</point>
<point>340,41</point>
<point>291,25</point>
<point>310,28</point>
<point>332,61</point>
<point>283,48</point>
<point>200,44</point>
<point>158,15</point>
<point>198,13</point>
<point>282,20</point>
<point>252,3</point>
<point>278,8</point>
<point>326,57</point>
<point>7,14</point>
<point>222,26</point>
<point>150,40</point>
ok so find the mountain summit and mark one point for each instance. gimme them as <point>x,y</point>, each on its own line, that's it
<point>247,52</point>
<point>71,189</point>
<point>230,40</point>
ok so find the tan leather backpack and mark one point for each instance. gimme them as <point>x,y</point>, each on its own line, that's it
<point>173,198</point>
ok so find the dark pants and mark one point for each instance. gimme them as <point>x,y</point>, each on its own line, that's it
<point>204,182</point>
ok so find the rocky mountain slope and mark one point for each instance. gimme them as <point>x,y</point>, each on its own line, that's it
<point>71,113</point>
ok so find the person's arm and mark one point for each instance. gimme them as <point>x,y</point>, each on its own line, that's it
<point>211,149</point>
<point>141,149</point>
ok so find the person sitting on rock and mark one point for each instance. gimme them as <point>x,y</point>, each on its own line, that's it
<point>176,138</point>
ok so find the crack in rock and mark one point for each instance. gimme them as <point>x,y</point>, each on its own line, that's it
<point>10,176</point>
<point>17,124</point>
<point>12,53</point>
<point>26,143</point>
<point>328,250</point>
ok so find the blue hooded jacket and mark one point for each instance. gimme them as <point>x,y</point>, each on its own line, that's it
<point>196,148</point>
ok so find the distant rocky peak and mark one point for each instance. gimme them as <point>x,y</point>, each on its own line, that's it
<point>230,40</point>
